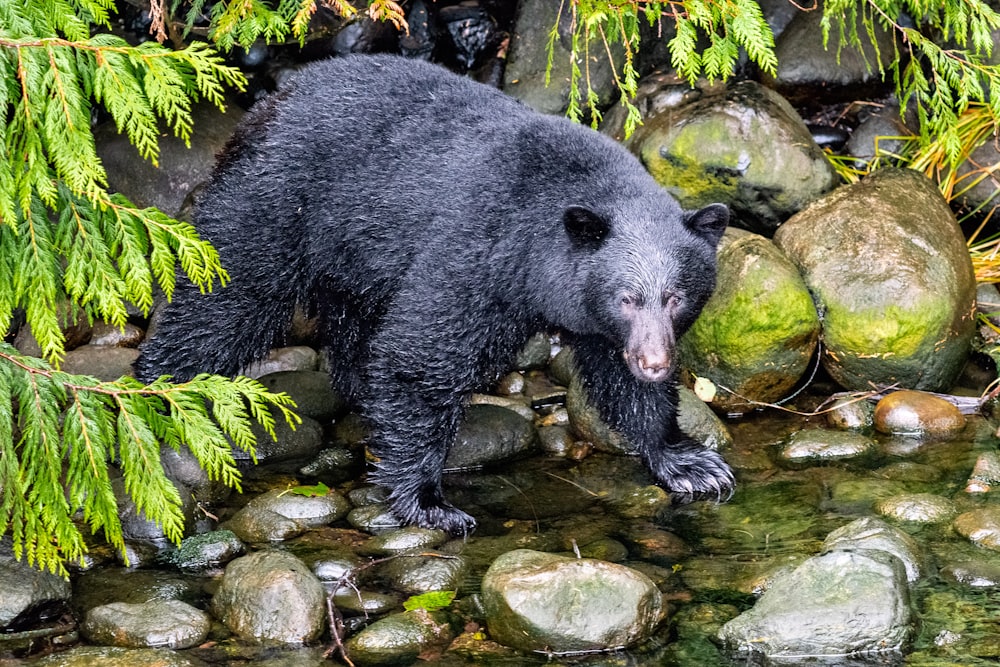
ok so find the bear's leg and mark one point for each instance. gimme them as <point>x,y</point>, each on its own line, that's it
<point>219,332</point>
<point>347,327</point>
<point>436,345</point>
<point>414,407</point>
<point>646,414</point>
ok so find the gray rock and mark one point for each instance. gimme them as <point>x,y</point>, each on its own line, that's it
<point>258,524</point>
<point>490,434</point>
<point>880,133</point>
<point>114,584</point>
<point>818,445</point>
<point>26,592</point>
<point>334,464</point>
<point>973,574</point>
<point>365,602</point>
<point>524,76</point>
<point>207,550</point>
<point>757,334</point>
<point>897,300</point>
<point>699,421</point>
<point>308,510</point>
<point>109,335</point>
<point>535,354</point>
<point>425,572</point>
<point>114,656</point>
<point>851,414</point>
<point>410,538</point>
<point>155,624</point>
<point>873,534</point>
<point>180,167</point>
<point>805,69</point>
<point>536,601</point>
<point>656,93</point>
<point>399,639</point>
<point>135,524</point>
<point>183,468</point>
<point>284,359</point>
<point>748,149</point>
<point>374,519</point>
<point>271,596</point>
<point>311,391</point>
<point>917,508</point>
<point>838,603</point>
<point>100,361</point>
<point>304,441</point>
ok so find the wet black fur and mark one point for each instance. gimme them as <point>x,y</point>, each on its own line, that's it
<point>424,218</point>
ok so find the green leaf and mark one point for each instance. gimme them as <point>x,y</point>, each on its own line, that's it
<point>432,601</point>
<point>316,491</point>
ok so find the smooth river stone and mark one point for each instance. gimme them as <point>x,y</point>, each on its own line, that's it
<point>981,527</point>
<point>917,413</point>
<point>917,507</point>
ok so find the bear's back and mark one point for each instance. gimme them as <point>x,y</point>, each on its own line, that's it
<point>381,158</point>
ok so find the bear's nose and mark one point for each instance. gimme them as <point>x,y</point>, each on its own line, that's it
<point>653,363</point>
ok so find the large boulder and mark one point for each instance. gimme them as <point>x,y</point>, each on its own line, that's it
<point>758,332</point>
<point>891,274</point>
<point>747,148</point>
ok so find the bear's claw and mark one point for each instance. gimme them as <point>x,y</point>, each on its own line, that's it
<point>692,475</point>
<point>441,515</point>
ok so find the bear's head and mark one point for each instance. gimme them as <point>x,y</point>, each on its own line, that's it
<point>648,271</point>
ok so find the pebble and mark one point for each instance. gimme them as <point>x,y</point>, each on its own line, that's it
<point>917,413</point>
<point>851,414</point>
<point>154,624</point>
<point>974,574</point>
<point>410,538</point>
<point>981,527</point>
<point>817,445</point>
<point>917,507</point>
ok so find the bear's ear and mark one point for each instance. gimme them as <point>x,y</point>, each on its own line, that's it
<point>585,228</point>
<point>709,222</point>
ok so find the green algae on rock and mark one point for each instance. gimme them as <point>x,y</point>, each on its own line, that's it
<point>757,333</point>
<point>747,148</point>
<point>891,275</point>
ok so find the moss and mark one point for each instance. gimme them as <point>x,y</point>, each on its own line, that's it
<point>758,331</point>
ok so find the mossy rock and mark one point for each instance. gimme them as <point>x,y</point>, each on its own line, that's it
<point>890,272</point>
<point>747,148</point>
<point>758,332</point>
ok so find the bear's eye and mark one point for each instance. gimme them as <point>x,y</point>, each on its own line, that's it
<point>629,300</point>
<point>670,300</point>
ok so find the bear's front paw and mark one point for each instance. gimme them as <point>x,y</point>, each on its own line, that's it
<point>694,472</point>
<point>433,511</point>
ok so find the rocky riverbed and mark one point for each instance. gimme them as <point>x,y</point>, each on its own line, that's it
<point>867,527</point>
<point>864,528</point>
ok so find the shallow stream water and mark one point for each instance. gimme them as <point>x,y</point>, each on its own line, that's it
<point>710,559</point>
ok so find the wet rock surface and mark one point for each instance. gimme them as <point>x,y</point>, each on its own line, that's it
<point>894,312</point>
<point>153,624</point>
<point>839,602</point>
<point>746,148</point>
<point>538,601</point>
<point>757,334</point>
<point>797,550</point>
<point>271,596</point>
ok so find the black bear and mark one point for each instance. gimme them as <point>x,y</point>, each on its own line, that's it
<point>433,224</point>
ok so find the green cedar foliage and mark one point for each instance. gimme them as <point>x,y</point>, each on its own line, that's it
<point>941,75</point>
<point>69,246</point>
